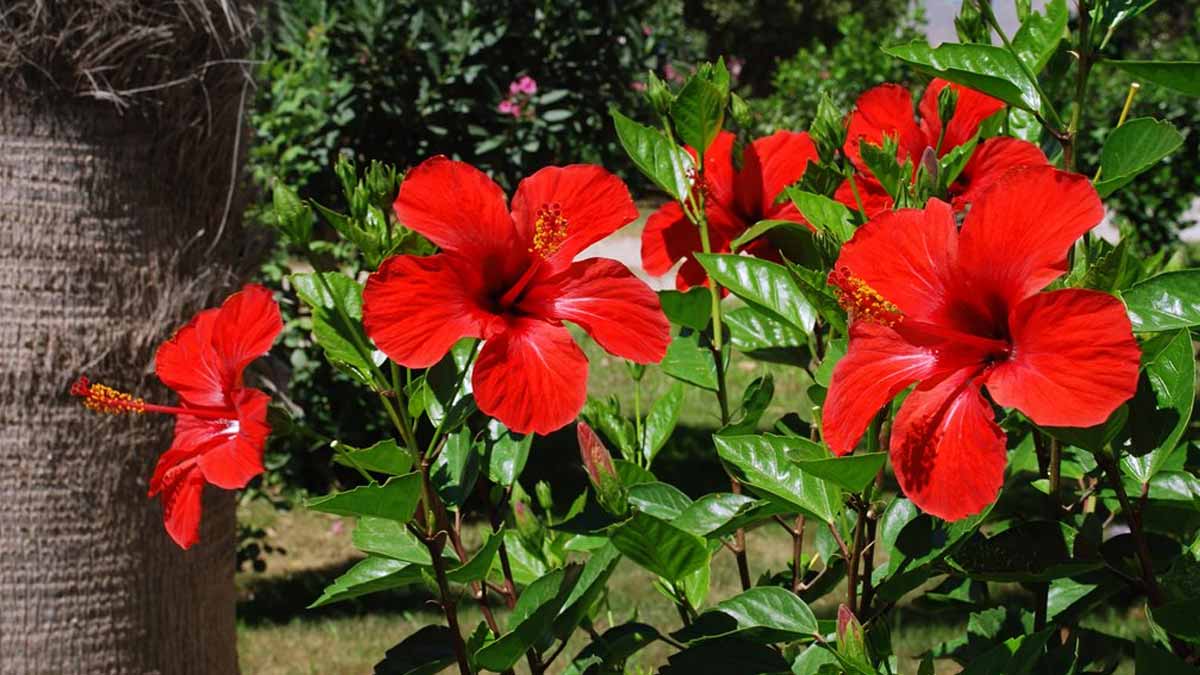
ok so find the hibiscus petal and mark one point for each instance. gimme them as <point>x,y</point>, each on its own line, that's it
<point>1074,359</point>
<point>189,365</point>
<point>991,160</point>
<point>416,308</point>
<point>245,329</point>
<point>947,450</point>
<point>181,508</point>
<point>970,111</point>
<point>691,274</point>
<point>878,365</point>
<point>886,110</point>
<point>593,202</point>
<point>718,171</point>
<point>908,257</point>
<point>667,237</point>
<point>455,205</point>
<point>1015,238</point>
<point>532,377</point>
<point>604,298</point>
<point>770,164</point>
<point>231,463</point>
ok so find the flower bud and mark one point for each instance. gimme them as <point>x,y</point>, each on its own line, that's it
<point>851,643</point>
<point>544,498</point>
<point>740,111</point>
<point>293,217</point>
<point>601,471</point>
<point>659,94</point>
<point>947,102</point>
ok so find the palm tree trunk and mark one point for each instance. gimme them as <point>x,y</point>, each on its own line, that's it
<point>98,231</point>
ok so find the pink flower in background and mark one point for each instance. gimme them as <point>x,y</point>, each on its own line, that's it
<point>671,74</point>
<point>647,30</point>
<point>520,92</point>
<point>525,85</point>
<point>637,85</point>
<point>736,63</point>
<point>509,107</point>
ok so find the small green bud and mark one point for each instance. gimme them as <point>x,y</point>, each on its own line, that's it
<point>659,94</point>
<point>601,471</point>
<point>293,217</point>
<point>545,500</point>
<point>947,102</point>
<point>347,174</point>
<point>740,111</point>
<point>636,370</point>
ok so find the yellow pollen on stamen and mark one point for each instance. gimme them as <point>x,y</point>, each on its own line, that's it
<point>549,230</point>
<point>861,301</point>
<point>104,399</point>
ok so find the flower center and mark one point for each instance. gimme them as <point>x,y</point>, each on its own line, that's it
<point>549,230</point>
<point>861,301</point>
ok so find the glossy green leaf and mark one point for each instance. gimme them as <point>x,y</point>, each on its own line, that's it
<point>764,284</point>
<point>612,648</point>
<point>396,499</point>
<point>774,609</point>
<point>692,309</point>
<point>1149,659</point>
<point>755,401</point>
<point>427,651</point>
<point>986,68</point>
<point>382,457</point>
<point>816,659</point>
<point>1182,76</point>
<point>712,511</point>
<point>456,468</point>
<point>507,454</point>
<point>477,567</point>
<point>660,500</point>
<point>725,656</point>
<point>686,360</point>
<point>389,538</point>
<point>851,472</point>
<point>761,228</point>
<point>531,620</point>
<point>340,341</point>
<point>698,113</point>
<point>659,546</point>
<point>663,162</point>
<point>1165,301</point>
<point>1039,35</point>
<point>762,463</point>
<point>824,214</point>
<point>661,421</point>
<point>369,576</point>
<point>1162,407</point>
<point>592,584</point>
<point>752,330</point>
<point>1132,148</point>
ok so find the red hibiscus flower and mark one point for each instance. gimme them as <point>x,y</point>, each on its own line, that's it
<point>734,200</point>
<point>887,110</point>
<point>220,424</point>
<point>511,280</point>
<point>953,311</point>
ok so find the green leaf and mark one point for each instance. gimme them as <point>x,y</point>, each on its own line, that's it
<point>456,468</point>
<point>752,330</point>
<point>851,472</point>
<point>1133,148</point>
<point>557,115</point>
<point>395,499</point>
<point>661,421</point>
<point>698,113</point>
<point>766,285</point>
<point>1165,301</point>
<point>429,650</point>
<point>1038,37</point>
<point>762,463</point>
<point>661,500</point>
<point>813,661</point>
<point>1182,76</point>
<point>882,162</point>
<point>340,341</point>
<point>1150,660</point>
<point>1162,406</point>
<point>659,546</point>
<point>532,619</point>
<point>823,213</point>
<point>391,539</point>
<point>761,228</point>
<point>610,650</point>
<point>663,162</point>
<point>724,656</point>
<point>507,454</point>
<point>592,584</point>
<point>692,309</point>
<point>755,400</point>
<point>1030,551</point>
<point>369,576</point>
<point>477,567</point>
<point>986,68</point>
<point>383,457</point>
<point>686,360</point>
<point>777,611</point>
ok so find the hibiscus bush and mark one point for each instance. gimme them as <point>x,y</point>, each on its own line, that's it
<point>1002,400</point>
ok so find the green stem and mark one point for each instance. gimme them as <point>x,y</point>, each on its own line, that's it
<point>990,17</point>
<point>857,198</point>
<point>637,421</point>
<point>1084,68</point>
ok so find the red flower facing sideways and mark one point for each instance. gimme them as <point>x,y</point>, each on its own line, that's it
<point>954,311</point>
<point>220,424</point>
<point>734,200</point>
<point>887,110</point>
<point>512,280</point>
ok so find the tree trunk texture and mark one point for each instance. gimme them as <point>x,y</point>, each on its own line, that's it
<point>106,246</point>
